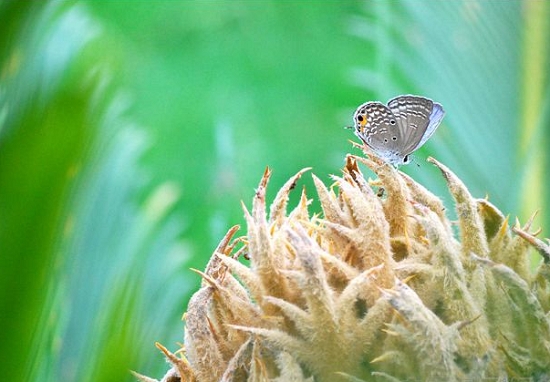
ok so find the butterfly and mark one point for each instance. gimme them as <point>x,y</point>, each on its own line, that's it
<point>396,130</point>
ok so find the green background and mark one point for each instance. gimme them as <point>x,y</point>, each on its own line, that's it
<point>131,130</point>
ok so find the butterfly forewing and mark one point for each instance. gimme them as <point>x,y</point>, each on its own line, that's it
<point>435,119</point>
<point>413,116</point>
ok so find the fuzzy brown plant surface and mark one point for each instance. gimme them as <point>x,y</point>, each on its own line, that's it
<point>377,288</point>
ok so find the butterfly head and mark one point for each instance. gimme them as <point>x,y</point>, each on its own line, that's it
<point>395,159</point>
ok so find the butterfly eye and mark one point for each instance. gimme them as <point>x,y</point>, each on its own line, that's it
<point>360,118</point>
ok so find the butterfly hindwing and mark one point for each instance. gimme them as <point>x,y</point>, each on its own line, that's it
<point>376,125</point>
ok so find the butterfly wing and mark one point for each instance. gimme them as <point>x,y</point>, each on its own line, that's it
<point>377,126</point>
<point>413,116</point>
<point>435,119</point>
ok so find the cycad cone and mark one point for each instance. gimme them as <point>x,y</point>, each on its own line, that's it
<point>377,289</point>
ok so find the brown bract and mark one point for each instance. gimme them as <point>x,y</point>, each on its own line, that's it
<point>377,288</point>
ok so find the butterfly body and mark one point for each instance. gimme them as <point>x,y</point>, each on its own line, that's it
<point>395,130</point>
